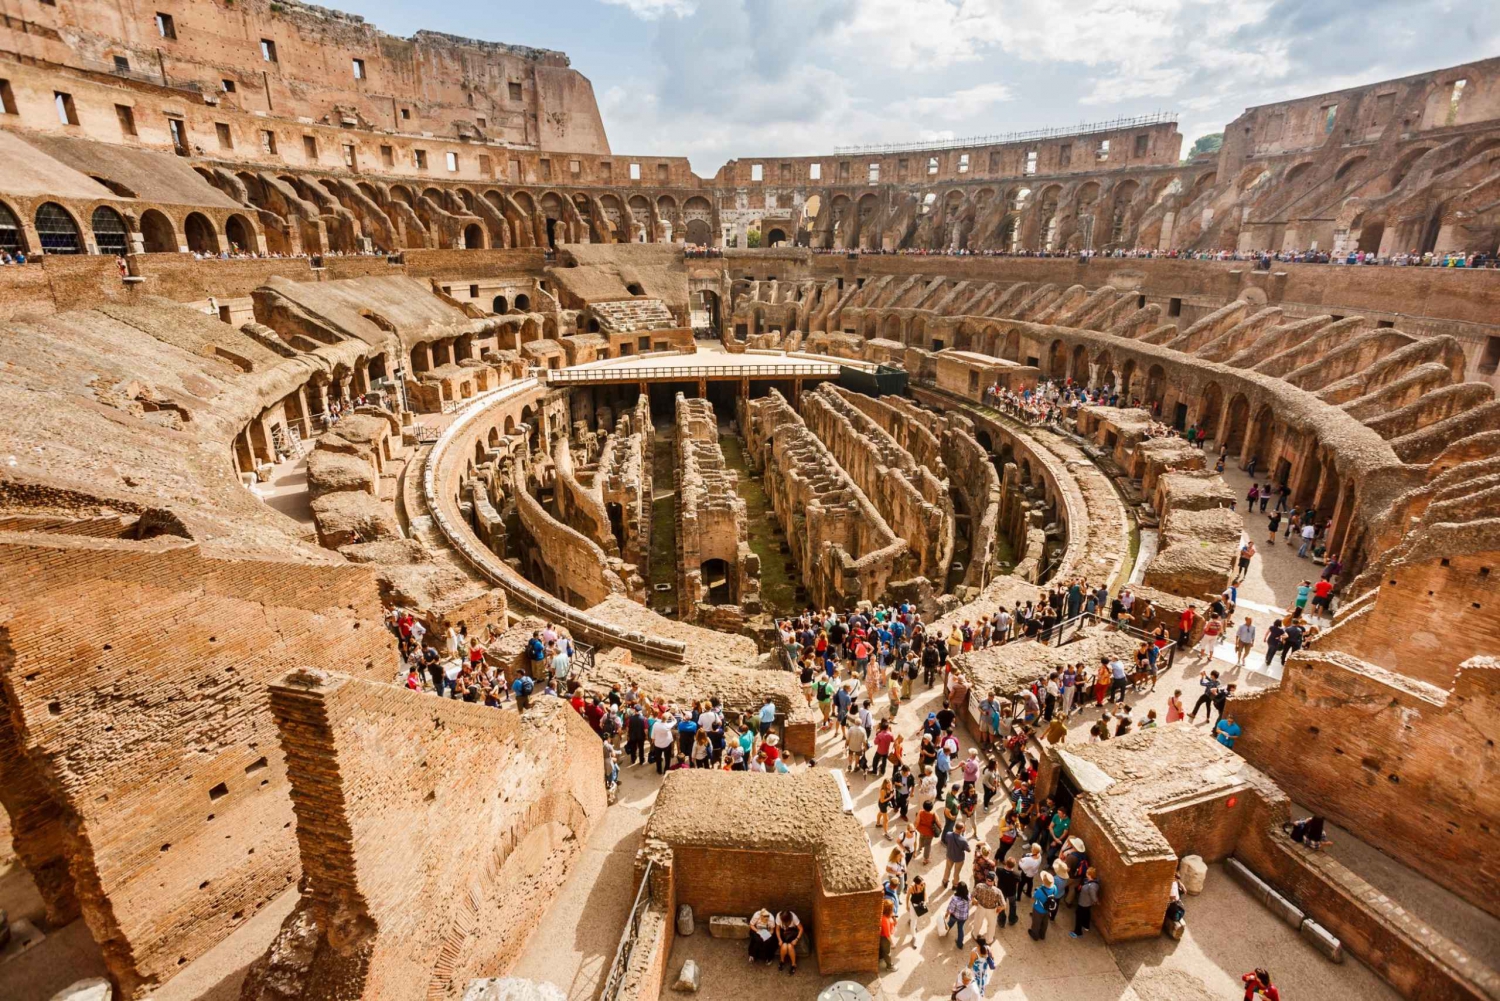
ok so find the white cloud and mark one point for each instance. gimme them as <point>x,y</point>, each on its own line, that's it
<point>956,105</point>
<point>650,10</point>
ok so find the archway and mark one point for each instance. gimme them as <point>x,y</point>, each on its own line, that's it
<point>202,238</point>
<point>1156,386</point>
<point>523,302</point>
<point>473,237</point>
<point>57,230</point>
<point>1263,437</point>
<point>1237,422</point>
<point>10,231</point>
<point>1079,373</point>
<point>775,237</point>
<point>240,235</point>
<point>891,327</point>
<point>717,589</point>
<point>1057,360</point>
<point>1127,381</point>
<point>1208,412</point>
<point>1012,349</point>
<point>499,305</point>
<point>157,233</point>
<point>698,233</point>
<point>1370,236</point>
<point>109,231</point>
<point>1104,375</point>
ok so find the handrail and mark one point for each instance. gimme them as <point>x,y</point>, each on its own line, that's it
<point>627,373</point>
<point>615,979</point>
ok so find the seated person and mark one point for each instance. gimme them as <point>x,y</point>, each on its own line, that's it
<point>762,936</point>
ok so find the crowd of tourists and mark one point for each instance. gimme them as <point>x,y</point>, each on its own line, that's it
<point>1262,258</point>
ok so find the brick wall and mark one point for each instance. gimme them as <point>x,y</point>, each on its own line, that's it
<point>60,281</point>
<point>141,748</point>
<point>1394,762</point>
<point>434,834</point>
<point>472,264</point>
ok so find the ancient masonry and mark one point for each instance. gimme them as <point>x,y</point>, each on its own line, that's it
<point>317,323</point>
<point>718,577</point>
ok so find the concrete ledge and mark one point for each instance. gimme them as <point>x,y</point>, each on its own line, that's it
<point>728,926</point>
<point>1323,940</point>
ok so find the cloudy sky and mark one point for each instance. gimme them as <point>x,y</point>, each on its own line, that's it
<point>716,79</point>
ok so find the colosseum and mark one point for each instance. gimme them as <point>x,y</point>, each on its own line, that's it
<point>354,387</point>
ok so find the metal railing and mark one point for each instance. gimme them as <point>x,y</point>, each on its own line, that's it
<point>623,952</point>
<point>1057,132</point>
<point>686,373</point>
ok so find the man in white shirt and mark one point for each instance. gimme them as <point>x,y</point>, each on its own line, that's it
<point>663,733</point>
<point>561,668</point>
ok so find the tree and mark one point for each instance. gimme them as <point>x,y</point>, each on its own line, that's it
<point>752,238</point>
<point>1206,144</point>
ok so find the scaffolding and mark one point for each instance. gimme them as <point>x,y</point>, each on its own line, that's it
<point>1060,132</point>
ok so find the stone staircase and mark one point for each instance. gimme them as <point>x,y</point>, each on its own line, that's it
<point>626,316</point>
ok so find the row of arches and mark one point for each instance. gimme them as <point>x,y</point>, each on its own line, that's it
<point>59,231</point>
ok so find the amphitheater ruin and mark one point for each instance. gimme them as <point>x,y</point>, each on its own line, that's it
<point>325,393</point>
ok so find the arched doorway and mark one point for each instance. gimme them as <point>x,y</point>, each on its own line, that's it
<point>523,302</point>
<point>1370,236</point>
<point>499,305</point>
<point>1236,423</point>
<point>200,233</point>
<point>1057,360</point>
<point>109,231</point>
<point>1127,381</point>
<point>157,233</point>
<point>57,230</point>
<point>1012,349</point>
<point>1208,414</point>
<point>698,233</point>
<point>1104,371</point>
<point>240,235</point>
<point>717,589</point>
<point>10,231</point>
<point>1080,370</point>
<point>473,237</point>
<point>1156,386</point>
<point>1263,437</point>
<point>775,237</point>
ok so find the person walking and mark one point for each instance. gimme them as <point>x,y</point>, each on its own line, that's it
<point>957,847</point>
<point>958,911</point>
<point>1210,683</point>
<point>1244,642</point>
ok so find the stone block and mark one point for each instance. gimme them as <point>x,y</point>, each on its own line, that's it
<point>685,924</point>
<point>1193,871</point>
<point>512,989</point>
<point>727,926</point>
<point>687,978</point>
<point>1323,940</point>
<point>1249,880</point>
<point>93,989</point>
<point>1285,909</point>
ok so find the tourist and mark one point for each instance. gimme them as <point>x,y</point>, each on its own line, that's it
<point>1174,706</point>
<point>1088,896</point>
<point>907,843</point>
<point>1031,866</point>
<point>887,932</point>
<point>1210,684</point>
<point>1258,986</point>
<point>663,735</point>
<point>522,688</point>
<point>788,933</point>
<point>990,781</point>
<point>1244,642</point>
<point>964,988</point>
<point>885,738</point>
<point>884,805</point>
<point>1009,882</point>
<point>916,907</point>
<point>1043,906</point>
<point>854,743</point>
<point>1247,551</point>
<point>1226,731</point>
<point>927,827</point>
<point>981,962</point>
<point>957,847</point>
<point>958,912</point>
<point>762,936</point>
<point>1212,629</point>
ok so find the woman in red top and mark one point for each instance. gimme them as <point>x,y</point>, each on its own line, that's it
<point>1258,986</point>
<point>887,930</point>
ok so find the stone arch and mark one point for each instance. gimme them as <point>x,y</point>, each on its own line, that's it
<point>1236,422</point>
<point>1156,386</point>
<point>109,231</point>
<point>12,236</point>
<point>474,237</point>
<point>530,330</point>
<point>1262,436</point>
<point>401,192</point>
<point>202,238</point>
<point>1348,165</point>
<point>1079,371</point>
<point>1120,202</point>
<point>1012,345</point>
<point>1370,235</point>
<point>1204,183</point>
<point>1057,360</point>
<point>1250,177</point>
<point>1047,213</point>
<point>1208,411</point>
<point>499,305</point>
<point>1127,379</point>
<point>57,230</point>
<point>157,232</point>
<point>549,328</point>
<point>1406,162</point>
<point>1104,373</point>
<point>240,233</point>
<point>523,301</point>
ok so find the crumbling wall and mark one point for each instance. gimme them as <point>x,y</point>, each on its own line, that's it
<point>417,879</point>
<point>845,549</point>
<point>123,660</point>
<point>711,524</point>
<point>625,479</point>
<point>1365,736</point>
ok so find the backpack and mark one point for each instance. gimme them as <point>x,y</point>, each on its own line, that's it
<point>527,685</point>
<point>1052,905</point>
<point>534,649</point>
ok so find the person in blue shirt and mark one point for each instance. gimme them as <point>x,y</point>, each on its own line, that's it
<point>942,766</point>
<point>1042,905</point>
<point>767,717</point>
<point>1226,730</point>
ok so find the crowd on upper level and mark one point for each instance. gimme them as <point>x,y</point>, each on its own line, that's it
<point>1262,258</point>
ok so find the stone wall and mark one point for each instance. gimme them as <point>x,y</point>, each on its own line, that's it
<point>913,499</point>
<point>843,545</point>
<point>129,659</point>
<point>625,478</point>
<point>417,882</point>
<point>1366,736</point>
<point>711,525</point>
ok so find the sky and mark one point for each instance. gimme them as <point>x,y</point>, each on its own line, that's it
<point>714,80</point>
